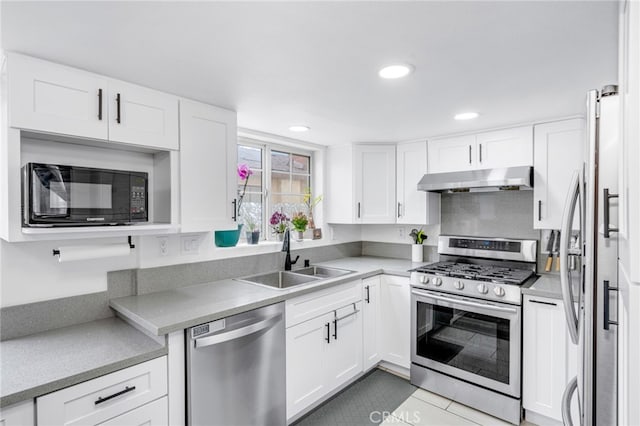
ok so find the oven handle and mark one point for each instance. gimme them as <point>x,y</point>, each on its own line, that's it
<point>465,302</point>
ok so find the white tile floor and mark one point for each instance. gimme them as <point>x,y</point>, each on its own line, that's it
<point>424,408</point>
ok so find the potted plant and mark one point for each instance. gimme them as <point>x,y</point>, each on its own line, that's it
<point>252,233</point>
<point>418,236</point>
<point>299,222</point>
<point>279,223</point>
<point>230,238</point>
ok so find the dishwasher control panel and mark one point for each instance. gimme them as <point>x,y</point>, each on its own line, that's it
<point>210,327</point>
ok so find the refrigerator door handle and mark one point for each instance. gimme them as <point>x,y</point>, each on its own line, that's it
<point>566,401</point>
<point>565,271</point>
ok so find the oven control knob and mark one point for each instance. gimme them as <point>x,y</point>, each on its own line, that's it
<point>482,288</point>
<point>458,284</point>
<point>499,291</point>
<point>437,281</point>
<point>424,280</point>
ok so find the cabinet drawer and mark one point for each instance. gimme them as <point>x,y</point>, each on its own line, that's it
<point>314,304</point>
<point>155,413</point>
<point>105,397</point>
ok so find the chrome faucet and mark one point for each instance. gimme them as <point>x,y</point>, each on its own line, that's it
<point>285,247</point>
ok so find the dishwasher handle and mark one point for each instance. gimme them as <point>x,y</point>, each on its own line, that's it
<point>238,332</point>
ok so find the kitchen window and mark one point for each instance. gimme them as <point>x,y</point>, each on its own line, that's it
<point>281,177</point>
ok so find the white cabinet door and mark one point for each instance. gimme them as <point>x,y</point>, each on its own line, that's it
<point>53,98</point>
<point>344,353</point>
<point>375,183</point>
<point>395,297</point>
<point>207,150</point>
<point>414,207</point>
<point>155,413</point>
<point>452,154</point>
<point>306,362</point>
<point>558,153</point>
<point>21,414</point>
<point>371,322</point>
<point>142,116</point>
<point>505,148</point>
<point>549,357</point>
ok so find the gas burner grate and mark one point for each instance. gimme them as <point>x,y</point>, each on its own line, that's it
<point>472,271</point>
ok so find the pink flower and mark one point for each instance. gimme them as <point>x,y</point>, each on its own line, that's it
<point>244,171</point>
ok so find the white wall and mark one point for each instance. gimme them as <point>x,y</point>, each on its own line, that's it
<point>30,273</point>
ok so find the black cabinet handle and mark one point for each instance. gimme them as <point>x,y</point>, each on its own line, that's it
<point>328,338</point>
<point>605,308</point>
<point>606,198</point>
<point>358,209</point>
<point>335,329</point>
<point>480,152</point>
<point>100,104</point>
<point>118,108</point>
<point>235,209</point>
<point>127,389</point>
<point>399,209</point>
<point>469,154</point>
<point>366,298</point>
<point>539,210</point>
<point>543,303</point>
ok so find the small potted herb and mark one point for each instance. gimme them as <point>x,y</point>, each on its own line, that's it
<point>299,222</point>
<point>418,236</point>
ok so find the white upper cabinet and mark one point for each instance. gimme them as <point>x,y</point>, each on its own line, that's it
<point>375,187</point>
<point>52,98</point>
<point>361,184</point>
<point>558,153</point>
<point>501,148</point>
<point>142,116</point>
<point>452,154</point>
<point>505,148</point>
<point>414,207</point>
<point>208,137</point>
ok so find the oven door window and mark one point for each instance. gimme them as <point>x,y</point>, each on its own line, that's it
<point>468,341</point>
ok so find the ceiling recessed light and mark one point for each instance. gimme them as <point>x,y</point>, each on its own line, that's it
<point>299,128</point>
<point>466,116</point>
<point>395,71</point>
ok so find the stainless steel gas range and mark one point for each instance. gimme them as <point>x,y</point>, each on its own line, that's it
<point>466,315</point>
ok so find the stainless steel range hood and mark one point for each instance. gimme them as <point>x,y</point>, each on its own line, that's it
<point>509,178</point>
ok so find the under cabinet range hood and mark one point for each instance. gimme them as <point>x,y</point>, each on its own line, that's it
<point>508,178</point>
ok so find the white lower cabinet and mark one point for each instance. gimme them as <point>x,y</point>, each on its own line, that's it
<point>323,352</point>
<point>395,313</point>
<point>371,322</point>
<point>20,414</point>
<point>108,397</point>
<point>152,414</point>
<point>549,359</point>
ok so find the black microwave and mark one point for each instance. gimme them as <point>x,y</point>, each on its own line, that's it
<point>57,195</point>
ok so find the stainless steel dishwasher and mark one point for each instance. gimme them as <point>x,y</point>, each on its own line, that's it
<point>236,370</point>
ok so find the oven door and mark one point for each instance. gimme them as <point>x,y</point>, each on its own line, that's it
<point>473,340</point>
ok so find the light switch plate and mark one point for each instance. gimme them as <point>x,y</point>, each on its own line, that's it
<point>189,244</point>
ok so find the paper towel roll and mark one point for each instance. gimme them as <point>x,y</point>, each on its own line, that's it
<point>73,253</point>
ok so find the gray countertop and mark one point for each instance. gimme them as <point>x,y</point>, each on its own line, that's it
<point>173,310</point>
<point>45,362</point>
<point>548,285</point>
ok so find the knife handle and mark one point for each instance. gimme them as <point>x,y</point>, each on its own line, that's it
<point>558,263</point>
<point>547,267</point>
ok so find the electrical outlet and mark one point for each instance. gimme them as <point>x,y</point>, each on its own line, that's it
<point>163,246</point>
<point>189,244</point>
<point>401,232</point>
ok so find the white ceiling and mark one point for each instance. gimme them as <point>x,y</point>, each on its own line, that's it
<point>316,63</point>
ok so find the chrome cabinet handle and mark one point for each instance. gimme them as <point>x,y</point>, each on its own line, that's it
<point>606,198</point>
<point>565,282</point>
<point>127,389</point>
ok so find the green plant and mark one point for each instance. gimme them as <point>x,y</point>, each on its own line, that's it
<point>418,236</point>
<point>299,222</point>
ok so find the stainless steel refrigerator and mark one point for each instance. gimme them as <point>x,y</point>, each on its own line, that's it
<point>591,312</point>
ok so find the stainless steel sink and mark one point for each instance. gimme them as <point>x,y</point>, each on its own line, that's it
<point>279,279</point>
<point>322,271</point>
